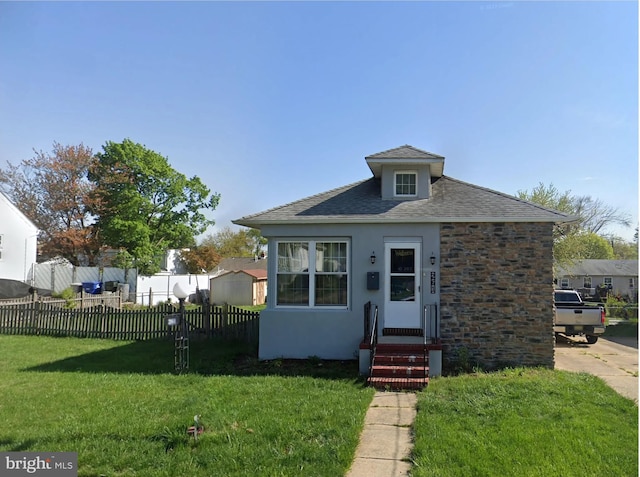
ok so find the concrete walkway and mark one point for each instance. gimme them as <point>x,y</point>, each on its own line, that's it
<point>386,441</point>
<point>615,360</point>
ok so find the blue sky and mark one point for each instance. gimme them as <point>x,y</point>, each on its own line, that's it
<point>269,102</point>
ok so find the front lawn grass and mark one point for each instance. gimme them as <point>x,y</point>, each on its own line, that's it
<point>524,422</point>
<point>120,407</point>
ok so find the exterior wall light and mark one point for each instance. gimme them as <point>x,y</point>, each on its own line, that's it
<point>433,259</point>
<point>373,258</point>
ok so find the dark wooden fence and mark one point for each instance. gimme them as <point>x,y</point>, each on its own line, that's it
<point>42,318</point>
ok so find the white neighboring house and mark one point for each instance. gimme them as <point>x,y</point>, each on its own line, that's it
<point>18,242</point>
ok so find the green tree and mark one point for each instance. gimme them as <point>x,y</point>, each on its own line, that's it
<point>52,190</point>
<point>257,241</point>
<point>592,215</point>
<point>243,243</point>
<point>144,206</point>
<point>583,246</point>
<point>578,239</point>
<point>200,259</point>
<point>622,249</point>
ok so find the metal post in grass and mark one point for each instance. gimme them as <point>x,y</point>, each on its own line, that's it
<point>181,352</point>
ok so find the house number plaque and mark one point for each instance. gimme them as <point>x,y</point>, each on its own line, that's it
<point>433,282</point>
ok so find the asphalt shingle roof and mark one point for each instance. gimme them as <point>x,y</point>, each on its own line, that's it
<point>404,152</point>
<point>452,200</point>
<point>235,264</point>
<point>608,268</point>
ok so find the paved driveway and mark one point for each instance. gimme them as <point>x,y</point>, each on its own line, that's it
<point>615,360</point>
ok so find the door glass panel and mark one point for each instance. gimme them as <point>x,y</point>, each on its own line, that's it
<point>402,260</point>
<point>403,289</point>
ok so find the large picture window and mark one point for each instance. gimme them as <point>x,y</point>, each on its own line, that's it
<point>325,284</point>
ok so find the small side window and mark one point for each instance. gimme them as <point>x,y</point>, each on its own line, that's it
<point>406,184</point>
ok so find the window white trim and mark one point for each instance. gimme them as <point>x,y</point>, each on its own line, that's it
<point>406,183</point>
<point>564,282</point>
<point>306,268</point>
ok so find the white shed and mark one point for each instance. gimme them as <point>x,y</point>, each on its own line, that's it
<point>242,287</point>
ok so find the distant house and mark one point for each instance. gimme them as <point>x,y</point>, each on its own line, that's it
<point>235,264</point>
<point>467,269</point>
<point>18,242</point>
<point>619,276</point>
<point>242,287</point>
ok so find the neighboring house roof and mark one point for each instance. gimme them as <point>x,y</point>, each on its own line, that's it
<point>452,200</point>
<point>242,263</point>
<point>606,268</point>
<point>257,274</point>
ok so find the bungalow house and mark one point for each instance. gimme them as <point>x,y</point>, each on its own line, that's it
<point>619,276</point>
<point>18,242</point>
<point>463,270</point>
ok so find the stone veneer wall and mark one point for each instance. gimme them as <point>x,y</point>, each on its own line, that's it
<point>496,294</point>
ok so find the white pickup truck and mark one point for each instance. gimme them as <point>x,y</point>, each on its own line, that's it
<point>573,317</point>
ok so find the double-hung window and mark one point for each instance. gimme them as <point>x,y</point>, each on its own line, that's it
<point>313,273</point>
<point>405,183</point>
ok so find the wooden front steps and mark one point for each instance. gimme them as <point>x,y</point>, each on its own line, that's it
<point>399,366</point>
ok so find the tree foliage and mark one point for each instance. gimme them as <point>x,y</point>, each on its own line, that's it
<point>200,259</point>
<point>581,238</point>
<point>243,243</point>
<point>592,215</point>
<point>583,246</point>
<point>145,206</point>
<point>52,190</point>
<point>623,250</point>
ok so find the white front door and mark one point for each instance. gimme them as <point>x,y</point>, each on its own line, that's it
<point>402,285</point>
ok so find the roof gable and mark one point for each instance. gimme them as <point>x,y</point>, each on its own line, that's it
<point>406,155</point>
<point>11,206</point>
<point>404,152</point>
<point>258,274</point>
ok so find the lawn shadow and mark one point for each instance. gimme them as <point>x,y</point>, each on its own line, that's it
<point>629,341</point>
<point>10,445</point>
<point>206,357</point>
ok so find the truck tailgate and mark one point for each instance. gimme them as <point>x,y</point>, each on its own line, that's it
<point>578,316</point>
